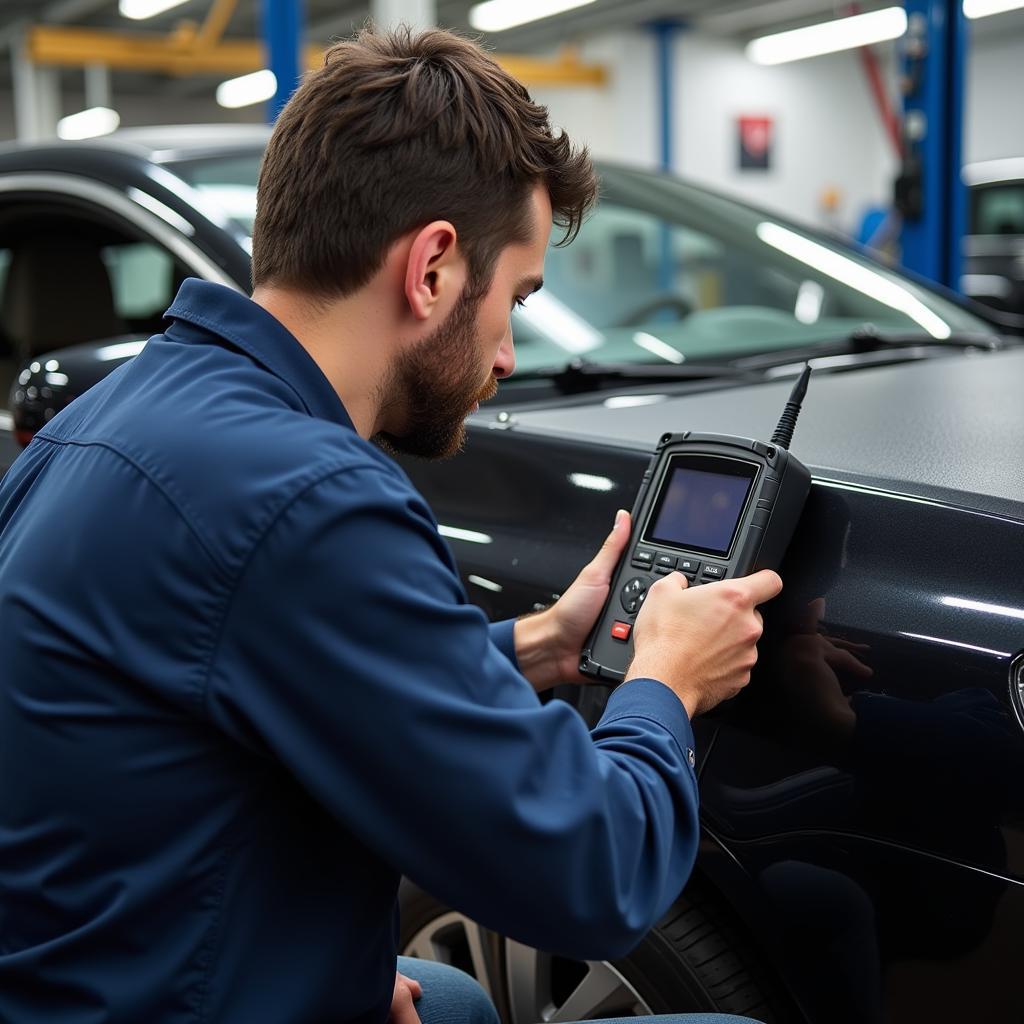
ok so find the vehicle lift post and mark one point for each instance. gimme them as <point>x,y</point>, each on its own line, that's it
<point>282,34</point>
<point>930,192</point>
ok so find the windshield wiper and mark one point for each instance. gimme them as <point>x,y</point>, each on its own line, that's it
<point>867,339</point>
<point>583,375</point>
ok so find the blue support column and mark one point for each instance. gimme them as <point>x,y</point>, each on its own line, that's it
<point>282,35</point>
<point>665,38</point>
<point>935,199</point>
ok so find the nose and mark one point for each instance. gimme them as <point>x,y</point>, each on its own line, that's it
<point>505,361</point>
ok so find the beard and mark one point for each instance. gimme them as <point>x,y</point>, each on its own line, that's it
<point>437,381</point>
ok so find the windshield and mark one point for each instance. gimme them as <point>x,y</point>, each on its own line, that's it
<point>663,272</point>
<point>227,181</point>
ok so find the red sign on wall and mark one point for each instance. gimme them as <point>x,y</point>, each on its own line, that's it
<point>756,135</point>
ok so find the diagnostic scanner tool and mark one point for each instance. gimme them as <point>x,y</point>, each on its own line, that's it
<point>710,506</point>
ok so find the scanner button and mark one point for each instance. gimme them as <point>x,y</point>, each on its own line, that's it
<point>621,630</point>
<point>762,503</point>
<point>769,489</point>
<point>662,570</point>
<point>714,572</point>
<point>691,566</point>
<point>643,557</point>
<point>632,595</point>
<point>665,562</point>
<point>760,517</point>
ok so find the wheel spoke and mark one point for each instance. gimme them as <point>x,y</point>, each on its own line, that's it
<point>529,983</point>
<point>422,947</point>
<point>597,989</point>
<point>439,938</point>
<point>481,963</point>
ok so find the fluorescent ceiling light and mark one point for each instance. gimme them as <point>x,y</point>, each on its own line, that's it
<point>246,90</point>
<point>591,482</point>
<point>982,606</point>
<point>559,324</point>
<point>854,275</point>
<point>498,15</point>
<point>122,350</point>
<point>139,9</point>
<point>983,8</point>
<point>87,124</point>
<point>658,347</point>
<point>829,37</point>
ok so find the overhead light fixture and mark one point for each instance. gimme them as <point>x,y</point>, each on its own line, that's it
<point>658,347</point>
<point>140,9</point>
<point>498,15</point>
<point>829,37</point>
<point>87,124</point>
<point>247,89</point>
<point>854,275</point>
<point>983,8</point>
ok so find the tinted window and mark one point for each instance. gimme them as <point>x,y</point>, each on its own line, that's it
<point>999,210</point>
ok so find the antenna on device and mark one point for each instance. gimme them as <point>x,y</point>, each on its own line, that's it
<point>787,421</point>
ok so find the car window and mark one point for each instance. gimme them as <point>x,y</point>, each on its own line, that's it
<point>999,209</point>
<point>227,181</point>
<point>666,272</point>
<point>142,278</point>
<point>662,272</point>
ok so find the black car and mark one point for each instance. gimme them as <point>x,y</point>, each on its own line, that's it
<point>994,250</point>
<point>860,799</point>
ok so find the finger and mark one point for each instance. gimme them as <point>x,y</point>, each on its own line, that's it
<point>674,580</point>
<point>414,986</point>
<point>402,1009</point>
<point>602,565</point>
<point>846,645</point>
<point>844,661</point>
<point>811,616</point>
<point>761,586</point>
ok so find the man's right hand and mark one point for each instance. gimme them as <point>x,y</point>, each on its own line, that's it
<point>701,642</point>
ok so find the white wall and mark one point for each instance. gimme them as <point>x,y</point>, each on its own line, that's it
<point>139,111</point>
<point>619,121</point>
<point>994,126</point>
<point>828,133</point>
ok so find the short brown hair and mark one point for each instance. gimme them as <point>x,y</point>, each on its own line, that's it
<point>395,130</point>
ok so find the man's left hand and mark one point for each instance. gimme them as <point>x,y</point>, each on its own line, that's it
<point>407,990</point>
<point>548,644</point>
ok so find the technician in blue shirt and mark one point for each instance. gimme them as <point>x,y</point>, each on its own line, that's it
<point>243,690</point>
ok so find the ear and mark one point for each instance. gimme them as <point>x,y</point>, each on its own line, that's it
<point>435,270</point>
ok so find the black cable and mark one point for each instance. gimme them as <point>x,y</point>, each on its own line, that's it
<point>783,435</point>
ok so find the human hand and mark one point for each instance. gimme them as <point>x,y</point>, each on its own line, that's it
<point>809,667</point>
<point>407,990</point>
<point>548,644</point>
<point>701,642</point>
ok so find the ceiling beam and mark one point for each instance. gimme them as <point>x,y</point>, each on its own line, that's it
<point>180,54</point>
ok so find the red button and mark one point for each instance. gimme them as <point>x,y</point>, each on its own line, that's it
<point>621,630</point>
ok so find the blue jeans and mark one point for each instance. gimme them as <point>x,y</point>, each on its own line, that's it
<point>452,997</point>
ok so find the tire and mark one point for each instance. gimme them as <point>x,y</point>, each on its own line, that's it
<point>695,960</point>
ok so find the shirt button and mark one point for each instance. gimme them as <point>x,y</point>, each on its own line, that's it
<point>690,757</point>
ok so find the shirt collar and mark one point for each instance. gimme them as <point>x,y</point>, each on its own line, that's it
<point>221,311</point>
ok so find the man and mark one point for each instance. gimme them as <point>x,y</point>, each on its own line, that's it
<point>243,688</point>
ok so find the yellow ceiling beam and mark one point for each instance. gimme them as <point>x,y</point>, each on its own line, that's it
<point>189,51</point>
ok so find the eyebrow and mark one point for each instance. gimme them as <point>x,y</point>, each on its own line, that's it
<point>529,285</point>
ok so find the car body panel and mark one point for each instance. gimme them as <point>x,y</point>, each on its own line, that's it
<point>880,870</point>
<point>900,848</point>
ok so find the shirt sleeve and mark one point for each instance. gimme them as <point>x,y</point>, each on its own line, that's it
<point>503,637</point>
<point>351,654</point>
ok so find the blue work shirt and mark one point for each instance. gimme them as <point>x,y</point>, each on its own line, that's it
<point>242,691</point>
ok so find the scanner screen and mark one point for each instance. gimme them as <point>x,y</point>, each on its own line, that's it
<point>700,510</point>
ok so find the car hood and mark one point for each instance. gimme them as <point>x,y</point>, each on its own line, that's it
<point>945,429</point>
